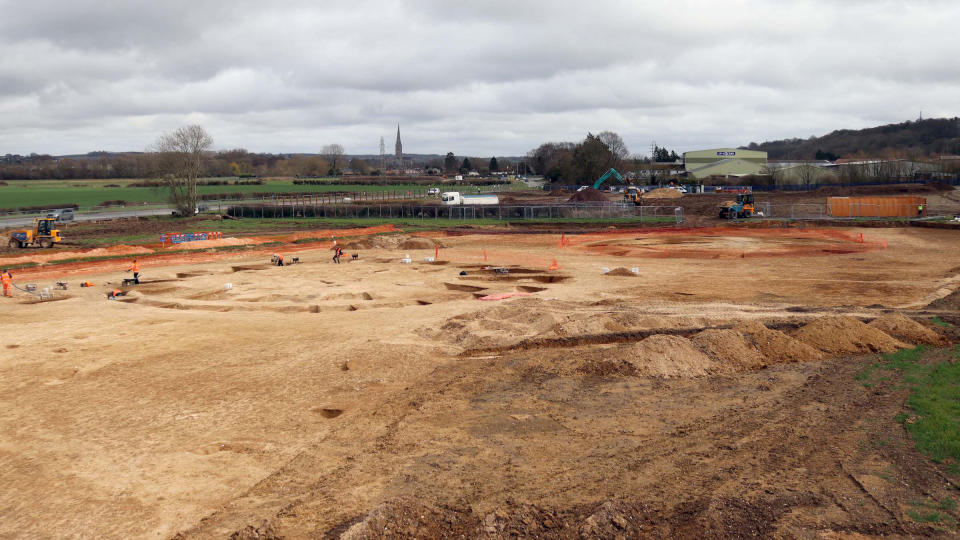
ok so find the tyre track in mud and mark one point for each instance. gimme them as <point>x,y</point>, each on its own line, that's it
<point>782,444</point>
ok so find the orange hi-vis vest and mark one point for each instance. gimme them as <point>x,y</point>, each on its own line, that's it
<point>6,279</point>
<point>135,267</point>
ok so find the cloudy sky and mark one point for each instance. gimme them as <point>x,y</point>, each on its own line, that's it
<point>479,77</point>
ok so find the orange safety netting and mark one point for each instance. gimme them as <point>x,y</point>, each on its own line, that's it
<point>723,242</point>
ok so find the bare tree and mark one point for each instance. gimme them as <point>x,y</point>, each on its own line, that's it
<point>774,172</point>
<point>615,144</point>
<point>334,153</point>
<point>807,172</point>
<point>180,162</point>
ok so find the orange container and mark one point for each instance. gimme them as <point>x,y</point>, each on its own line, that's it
<point>897,206</point>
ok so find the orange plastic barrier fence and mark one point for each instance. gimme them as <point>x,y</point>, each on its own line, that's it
<point>899,206</point>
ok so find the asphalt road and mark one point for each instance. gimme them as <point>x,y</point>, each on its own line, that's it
<point>23,221</point>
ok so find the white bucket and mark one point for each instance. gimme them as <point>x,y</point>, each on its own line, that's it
<point>635,270</point>
<point>605,270</point>
<point>228,286</point>
<point>428,259</point>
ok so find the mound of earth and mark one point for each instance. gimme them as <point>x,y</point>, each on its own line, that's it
<point>775,346</point>
<point>729,348</point>
<point>620,321</point>
<point>363,243</point>
<point>406,518</point>
<point>391,241</point>
<point>499,326</point>
<point>588,195</point>
<point>902,327</point>
<point>663,193</point>
<point>409,518</point>
<point>846,335</point>
<point>661,355</point>
<point>417,243</point>
<point>621,271</point>
<point>951,301</point>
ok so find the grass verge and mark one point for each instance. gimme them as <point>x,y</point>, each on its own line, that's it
<point>933,380</point>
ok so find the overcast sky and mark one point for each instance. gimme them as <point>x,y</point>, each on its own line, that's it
<point>473,77</point>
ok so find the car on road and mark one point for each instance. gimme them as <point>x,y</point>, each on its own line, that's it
<point>65,214</point>
<point>433,191</point>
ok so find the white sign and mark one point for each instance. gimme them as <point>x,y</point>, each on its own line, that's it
<point>726,153</point>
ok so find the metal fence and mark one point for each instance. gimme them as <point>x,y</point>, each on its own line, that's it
<point>955,181</point>
<point>463,212</point>
<point>727,190</point>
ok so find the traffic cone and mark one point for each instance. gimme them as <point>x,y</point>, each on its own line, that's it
<point>554,266</point>
<point>436,253</point>
<point>563,240</point>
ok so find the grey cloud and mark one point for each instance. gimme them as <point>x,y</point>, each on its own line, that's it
<point>471,77</point>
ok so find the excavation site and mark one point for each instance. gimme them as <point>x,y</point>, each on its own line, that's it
<point>682,382</point>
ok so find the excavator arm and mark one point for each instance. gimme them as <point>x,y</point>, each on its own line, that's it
<point>606,176</point>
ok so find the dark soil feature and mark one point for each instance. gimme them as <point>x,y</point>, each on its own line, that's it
<point>330,413</point>
<point>530,288</point>
<point>463,288</point>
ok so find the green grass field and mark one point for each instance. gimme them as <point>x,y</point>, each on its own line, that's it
<point>87,193</point>
<point>933,379</point>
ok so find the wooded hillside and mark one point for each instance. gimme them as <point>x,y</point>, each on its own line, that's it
<point>934,136</point>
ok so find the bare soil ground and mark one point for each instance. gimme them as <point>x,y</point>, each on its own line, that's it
<point>712,394</point>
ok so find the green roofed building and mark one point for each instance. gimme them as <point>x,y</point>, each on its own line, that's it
<point>723,162</point>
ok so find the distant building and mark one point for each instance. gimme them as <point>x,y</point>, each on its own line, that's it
<point>723,162</point>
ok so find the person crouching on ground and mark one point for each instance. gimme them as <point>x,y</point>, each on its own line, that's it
<point>7,278</point>
<point>336,254</point>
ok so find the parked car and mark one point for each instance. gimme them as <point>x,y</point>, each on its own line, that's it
<point>433,191</point>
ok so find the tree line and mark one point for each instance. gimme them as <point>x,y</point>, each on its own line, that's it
<point>906,140</point>
<point>585,161</point>
<point>331,161</point>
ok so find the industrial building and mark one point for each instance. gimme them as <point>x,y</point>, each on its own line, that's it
<point>723,162</point>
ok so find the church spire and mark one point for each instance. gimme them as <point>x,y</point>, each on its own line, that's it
<point>398,149</point>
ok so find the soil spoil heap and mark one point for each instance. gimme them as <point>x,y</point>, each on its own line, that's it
<point>663,193</point>
<point>588,195</point>
<point>621,271</point>
<point>776,346</point>
<point>669,356</point>
<point>846,335</point>
<point>902,327</point>
<point>730,348</point>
